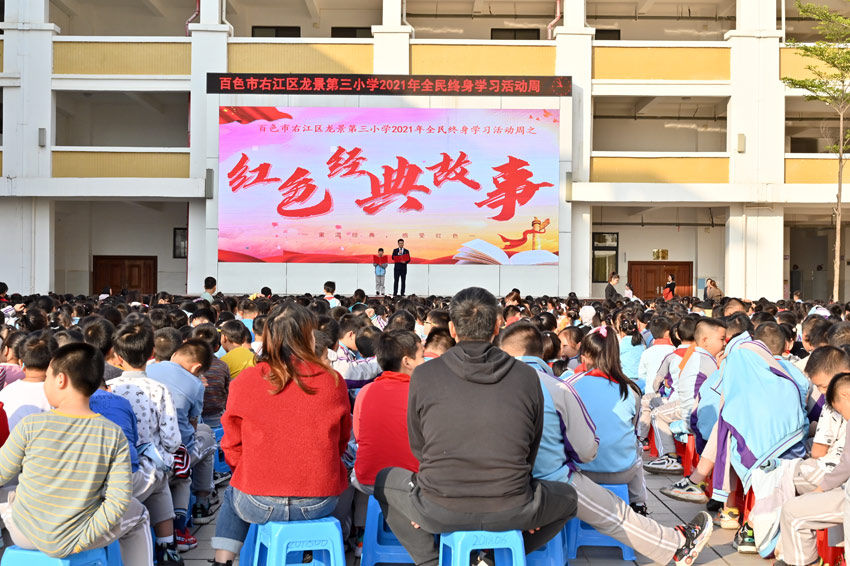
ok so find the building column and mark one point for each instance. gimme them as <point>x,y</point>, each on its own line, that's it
<point>581,236</point>
<point>756,115</point>
<point>209,55</point>
<point>391,51</point>
<point>765,237</point>
<point>574,58</point>
<point>28,135</point>
<point>734,270</point>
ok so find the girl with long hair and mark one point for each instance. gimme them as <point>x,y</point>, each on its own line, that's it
<point>613,401</point>
<point>286,426</point>
<point>631,344</point>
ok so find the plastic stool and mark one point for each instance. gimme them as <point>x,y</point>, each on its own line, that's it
<point>246,556</point>
<point>279,544</point>
<point>379,542</point>
<point>456,547</point>
<point>653,449</point>
<point>219,465</point>
<point>553,554</point>
<point>581,534</point>
<point>831,555</point>
<point>687,454</point>
<point>108,556</point>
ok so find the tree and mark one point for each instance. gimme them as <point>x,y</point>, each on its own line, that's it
<point>829,83</point>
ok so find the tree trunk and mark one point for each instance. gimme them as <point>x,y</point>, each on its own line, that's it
<point>837,260</point>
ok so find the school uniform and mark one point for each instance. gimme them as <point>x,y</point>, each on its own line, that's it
<point>380,274</point>
<point>619,453</point>
<point>695,368</point>
<point>803,516</point>
<point>630,359</point>
<point>569,440</point>
<point>648,366</point>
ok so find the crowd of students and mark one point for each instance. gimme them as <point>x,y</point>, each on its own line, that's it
<point>461,413</point>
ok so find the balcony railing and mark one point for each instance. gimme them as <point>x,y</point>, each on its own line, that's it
<point>459,57</point>
<point>149,162</point>
<point>122,56</point>
<point>657,167</point>
<point>299,55</point>
<point>670,61</point>
<point>813,168</point>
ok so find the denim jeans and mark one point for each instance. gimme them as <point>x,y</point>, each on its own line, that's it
<point>239,510</point>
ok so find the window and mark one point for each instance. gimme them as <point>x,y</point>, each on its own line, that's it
<point>180,243</point>
<point>804,145</point>
<point>275,31</point>
<point>359,33</point>
<point>605,255</point>
<point>608,34</point>
<point>515,33</point>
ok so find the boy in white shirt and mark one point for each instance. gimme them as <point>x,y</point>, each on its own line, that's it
<point>26,396</point>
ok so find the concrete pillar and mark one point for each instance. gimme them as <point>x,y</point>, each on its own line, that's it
<point>28,108</point>
<point>391,52</point>
<point>786,263</point>
<point>756,112</point>
<point>736,255</point>
<point>209,55</point>
<point>581,235</point>
<point>574,58</point>
<point>765,236</point>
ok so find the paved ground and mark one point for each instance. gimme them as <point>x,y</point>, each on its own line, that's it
<point>719,552</point>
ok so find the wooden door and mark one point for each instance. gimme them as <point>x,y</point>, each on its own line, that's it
<point>134,273</point>
<point>649,277</point>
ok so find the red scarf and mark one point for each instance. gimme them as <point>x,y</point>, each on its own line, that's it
<point>662,342</point>
<point>599,373</point>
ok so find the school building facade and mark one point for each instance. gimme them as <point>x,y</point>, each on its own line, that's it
<point>681,149</point>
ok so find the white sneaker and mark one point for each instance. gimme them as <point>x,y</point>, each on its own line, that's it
<point>664,465</point>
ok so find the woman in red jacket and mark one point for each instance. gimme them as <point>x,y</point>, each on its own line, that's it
<point>286,426</point>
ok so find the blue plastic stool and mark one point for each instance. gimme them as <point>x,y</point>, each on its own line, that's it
<point>581,534</point>
<point>246,556</point>
<point>219,465</point>
<point>456,547</point>
<point>553,554</point>
<point>379,542</point>
<point>280,544</point>
<point>109,556</point>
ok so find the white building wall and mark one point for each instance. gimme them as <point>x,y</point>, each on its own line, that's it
<point>86,229</point>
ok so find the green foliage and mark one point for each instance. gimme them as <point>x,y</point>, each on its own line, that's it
<point>830,68</point>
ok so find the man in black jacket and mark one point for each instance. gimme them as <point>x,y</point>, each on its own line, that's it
<point>400,268</point>
<point>475,418</point>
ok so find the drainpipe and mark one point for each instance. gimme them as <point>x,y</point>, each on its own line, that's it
<point>404,19</point>
<point>194,15</point>
<point>551,24</point>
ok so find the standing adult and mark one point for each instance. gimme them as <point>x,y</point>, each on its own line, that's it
<point>400,269</point>
<point>669,288</point>
<point>712,291</point>
<point>610,289</point>
<point>475,420</point>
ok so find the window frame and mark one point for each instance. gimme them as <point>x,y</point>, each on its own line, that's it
<point>594,247</point>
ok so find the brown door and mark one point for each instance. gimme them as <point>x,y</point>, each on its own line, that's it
<point>649,277</point>
<point>134,273</point>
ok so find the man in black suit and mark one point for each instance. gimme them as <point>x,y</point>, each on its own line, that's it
<point>400,269</point>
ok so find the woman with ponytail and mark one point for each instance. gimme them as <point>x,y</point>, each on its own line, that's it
<point>613,401</point>
<point>286,426</point>
<point>631,345</point>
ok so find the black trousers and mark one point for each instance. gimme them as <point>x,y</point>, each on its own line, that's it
<point>553,504</point>
<point>399,275</point>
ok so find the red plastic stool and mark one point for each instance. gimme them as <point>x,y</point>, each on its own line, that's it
<point>653,450</point>
<point>687,454</point>
<point>831,555</point>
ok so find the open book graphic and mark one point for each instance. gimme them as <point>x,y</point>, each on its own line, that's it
<point>484,253</point>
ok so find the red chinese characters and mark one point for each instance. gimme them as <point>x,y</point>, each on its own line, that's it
<point>448,170</point>
<point>396,183</point>
<point>298,189</point>
<point>347,162</point>
<point>239,179</point>
<point>513,187</point>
